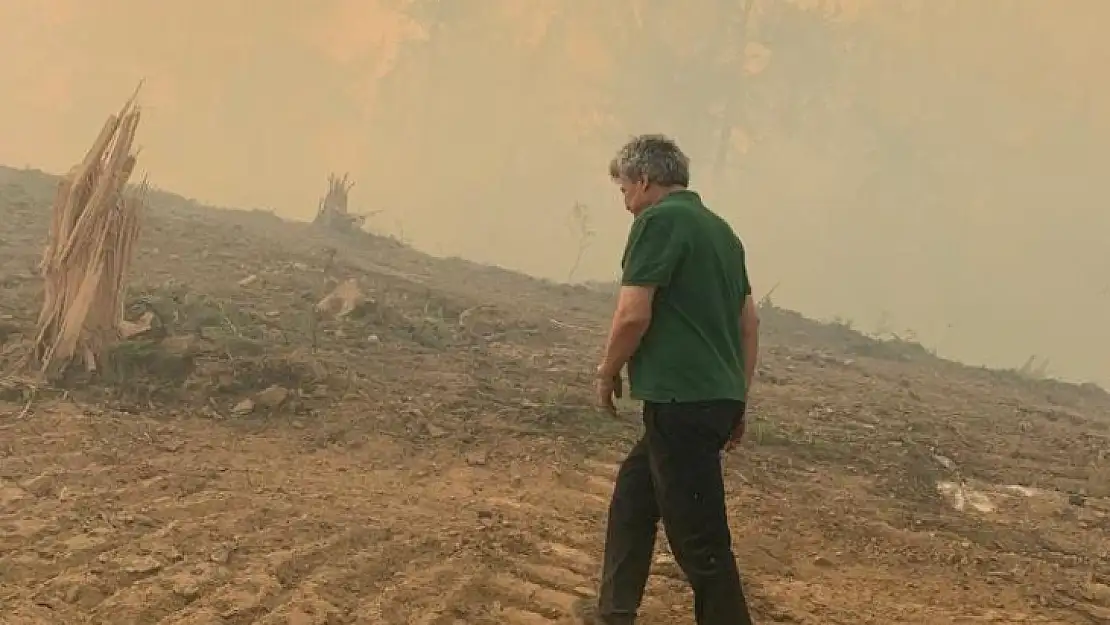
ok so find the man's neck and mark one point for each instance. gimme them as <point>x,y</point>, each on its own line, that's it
<point>661,193</point>
<point>665,191</point>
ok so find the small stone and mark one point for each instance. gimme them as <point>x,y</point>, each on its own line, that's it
<point>244,407</point>
<point>84,596</point>
<point>1098,593</point>
<point>249,280</point>
<point>476,458</point>
<point>187,589</point>
<point>272,397</point>
<point>143,565</point>
<point>945,462</point>
<point>40,486</point>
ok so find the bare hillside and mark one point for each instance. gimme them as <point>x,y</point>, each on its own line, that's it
<point>432,456</point>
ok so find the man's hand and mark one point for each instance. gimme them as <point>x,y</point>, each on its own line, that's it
<point>737,433</point>
<point>608,388</point>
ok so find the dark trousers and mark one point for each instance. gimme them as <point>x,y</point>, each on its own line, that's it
<point>674,473</point>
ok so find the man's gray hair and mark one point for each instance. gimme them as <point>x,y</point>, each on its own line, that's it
<point>654,158</point>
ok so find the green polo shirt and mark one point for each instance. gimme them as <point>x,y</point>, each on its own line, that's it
<point>691,351</point>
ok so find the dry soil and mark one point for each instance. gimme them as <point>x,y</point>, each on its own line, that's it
<point>433,458</point>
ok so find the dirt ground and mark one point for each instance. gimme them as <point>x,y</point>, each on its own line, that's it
<point>434,460</point>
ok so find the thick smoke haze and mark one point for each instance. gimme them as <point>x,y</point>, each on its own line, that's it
<point>924,166</point>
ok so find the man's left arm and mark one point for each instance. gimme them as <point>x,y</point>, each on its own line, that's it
<point>654,250</point>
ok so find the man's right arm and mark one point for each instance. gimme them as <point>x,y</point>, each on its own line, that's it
<point>749,339</point>
<point>749,352</point>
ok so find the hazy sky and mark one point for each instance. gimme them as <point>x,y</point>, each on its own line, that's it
<point>479,144</point>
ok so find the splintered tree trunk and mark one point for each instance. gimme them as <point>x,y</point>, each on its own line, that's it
<point>333,213</point>
<point>94,228</point>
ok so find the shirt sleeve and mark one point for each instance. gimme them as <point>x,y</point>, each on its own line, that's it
<point>655,248</point>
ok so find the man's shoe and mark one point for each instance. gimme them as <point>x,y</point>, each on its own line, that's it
<point>586,613</point>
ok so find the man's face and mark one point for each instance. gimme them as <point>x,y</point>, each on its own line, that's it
<point>636,196</point>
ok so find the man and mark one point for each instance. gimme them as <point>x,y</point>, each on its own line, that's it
<point>686,326</point>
